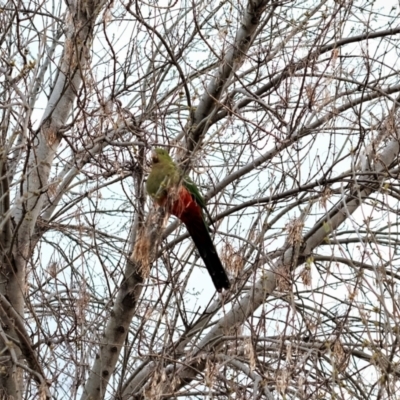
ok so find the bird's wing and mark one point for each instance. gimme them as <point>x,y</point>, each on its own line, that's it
<point>194,191</point>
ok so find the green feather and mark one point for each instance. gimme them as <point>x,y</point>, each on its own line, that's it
<point>165,174</point>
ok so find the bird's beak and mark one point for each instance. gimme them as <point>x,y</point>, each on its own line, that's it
<point>154,157</point>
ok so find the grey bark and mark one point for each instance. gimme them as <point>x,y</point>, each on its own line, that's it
<point>41,151</point>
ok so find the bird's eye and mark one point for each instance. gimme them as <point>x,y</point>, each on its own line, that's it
<point>155,158</point>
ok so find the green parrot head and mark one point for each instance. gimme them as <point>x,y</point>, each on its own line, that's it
<point>161,156</point>
<point>163,176</point>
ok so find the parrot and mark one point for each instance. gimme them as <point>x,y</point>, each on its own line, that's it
<point>170,188</point>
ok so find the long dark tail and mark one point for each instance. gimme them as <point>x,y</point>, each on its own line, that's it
<point>202,239</point>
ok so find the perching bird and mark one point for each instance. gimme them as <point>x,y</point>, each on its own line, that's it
<point>169,188</point>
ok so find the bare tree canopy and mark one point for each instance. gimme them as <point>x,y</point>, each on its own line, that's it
<point>286,116</point>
